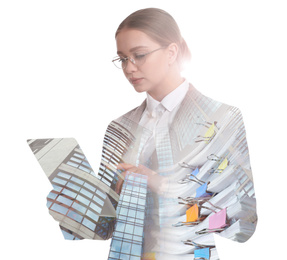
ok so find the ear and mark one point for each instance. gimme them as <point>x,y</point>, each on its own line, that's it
<point>172,53</point>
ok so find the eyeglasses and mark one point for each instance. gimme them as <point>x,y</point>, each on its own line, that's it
<point>137,59</point>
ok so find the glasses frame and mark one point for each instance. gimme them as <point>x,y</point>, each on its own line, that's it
<point>132,60</point>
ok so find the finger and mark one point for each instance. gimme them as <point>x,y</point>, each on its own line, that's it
<point>119,186</point>
<point>120,182</point>
<point>124,166</point>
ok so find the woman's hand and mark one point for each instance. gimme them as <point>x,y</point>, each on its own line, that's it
<point>154,179</point>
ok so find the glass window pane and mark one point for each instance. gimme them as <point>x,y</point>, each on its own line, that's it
<point>98,200</point>
<point>138,231</point>
<point>86,193</point>
<point>124,211</point>
<point>135,258</point>
<point>73,186</point>
<point>141,202</point>
<point>116,245</point>
<point>124,257</point>
<point>140,215</point>
<point>106,182</point>
<point>89,224</point>
<point>64,200</point>
<point>85,169</point>
<point>102,194</point>
<point>79,207</point>
<point>114,255</point>
<point>126,247</point>
<point>77,180</point>
<point>58,208</point>
<point>60,181</point>
<point>128,236</point>
<point>73,164</point>
<point>79,155</point>
<point>64,175</point>
<point>134,200</point>
<point>86,164</point>
<point>92,215</point>
<point>83,200</point>
<point>132,213</point>
<point>52,195</point>
<point>129,229</point>
<point>69,193</point>
<point>95,207</point>
<point>74,215</point>
<point>136,249</point>
<point>48,204</point>
<point>126,198</point>
<point>76,160</point>
<point>90,187</point>
<point>120,226</point>
<point>57,188</point>
<point>67,235</point>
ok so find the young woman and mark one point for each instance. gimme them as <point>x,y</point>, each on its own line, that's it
<point>178,132</point>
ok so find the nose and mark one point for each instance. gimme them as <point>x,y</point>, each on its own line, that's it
<point>130,67</point>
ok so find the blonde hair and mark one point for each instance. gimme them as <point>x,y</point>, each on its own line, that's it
<point>161,27</point>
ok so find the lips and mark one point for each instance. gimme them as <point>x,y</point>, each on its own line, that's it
<point>135,81</point>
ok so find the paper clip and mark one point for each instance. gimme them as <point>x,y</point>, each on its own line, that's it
<point>217,223</point>
<point>202,195</point>
<point>210,133</point>
<point>222,163</point>
<point>186,165</point>
<point>198,246</point>
<point>192,243</point>
<point>191,177</point>
<point>192,217</point>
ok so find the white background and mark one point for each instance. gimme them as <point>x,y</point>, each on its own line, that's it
<point>57,80</point>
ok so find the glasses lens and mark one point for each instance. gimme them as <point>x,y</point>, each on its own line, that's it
<point>139,59</point>
<point>118,62</point>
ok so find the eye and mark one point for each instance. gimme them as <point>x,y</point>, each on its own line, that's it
<point>138,56</point>
<point>121,60</point>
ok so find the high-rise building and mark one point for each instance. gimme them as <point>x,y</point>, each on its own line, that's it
<point>128,235</point>
<point>79,201</point>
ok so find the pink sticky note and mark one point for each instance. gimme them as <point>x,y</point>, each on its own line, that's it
<point>218,220</point>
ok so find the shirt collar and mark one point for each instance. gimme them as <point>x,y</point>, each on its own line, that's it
<point>171,100</point>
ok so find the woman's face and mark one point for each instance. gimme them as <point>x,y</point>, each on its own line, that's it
<point>152,74</point>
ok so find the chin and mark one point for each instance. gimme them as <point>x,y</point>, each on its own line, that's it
<point>140,88</point>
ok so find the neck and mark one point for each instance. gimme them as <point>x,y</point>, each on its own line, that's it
<point>167,86</point>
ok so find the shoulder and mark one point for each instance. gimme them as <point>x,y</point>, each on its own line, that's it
<point>196,96</point>
<point>134,114</point>
<point>196,104</point>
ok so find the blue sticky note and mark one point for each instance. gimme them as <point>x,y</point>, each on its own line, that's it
<point>202,253</point>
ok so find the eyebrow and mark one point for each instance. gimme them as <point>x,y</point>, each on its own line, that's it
<point>134,49</point>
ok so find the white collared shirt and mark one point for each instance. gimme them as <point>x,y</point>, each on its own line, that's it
<point>162,113</point>
<point>159,115</point>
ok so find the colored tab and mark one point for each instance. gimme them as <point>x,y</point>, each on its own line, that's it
<point>202,253</point>
<point>218,220</point>
<point>223,165</point>
<point>148,256</point>
<point>192,214</point>
<point>201,191</point>
<point>194,173</point>
<point>209,133</point>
